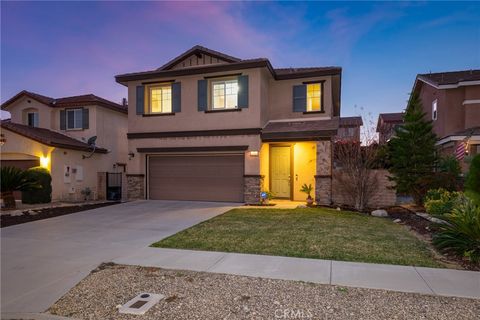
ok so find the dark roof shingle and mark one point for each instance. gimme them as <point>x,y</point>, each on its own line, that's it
<point>304,129</point>
<point>68,101</point>
<point>392,117</point>
<point>49,137</point>
<point>452,77</point>
<point>351,121</point>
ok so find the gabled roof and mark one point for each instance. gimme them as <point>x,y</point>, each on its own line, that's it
<point>452,77</point>
<point>67,101</point>
<point>49,137</point>
<point>232,63</point>
<point>198,50</point>
<point>391,118</point>
<point>351,121</point>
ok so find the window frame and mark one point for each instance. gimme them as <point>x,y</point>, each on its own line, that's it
<point>321,97</point>
<point>74,110</point>
<point>36,119</point>
<point>435,109</point>
<point>212,96</point>
<point>148,100</point>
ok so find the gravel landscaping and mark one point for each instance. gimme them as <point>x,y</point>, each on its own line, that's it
<point>198,295</point>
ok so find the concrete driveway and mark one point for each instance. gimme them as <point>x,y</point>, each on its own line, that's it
<point>42,260</point>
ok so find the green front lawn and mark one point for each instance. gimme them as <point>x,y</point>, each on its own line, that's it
<point>307,233</point>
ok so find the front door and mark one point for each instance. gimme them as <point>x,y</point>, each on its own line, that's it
<point>280,172</point>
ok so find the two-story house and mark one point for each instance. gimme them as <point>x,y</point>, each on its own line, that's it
<point>349,129</point>
<point>452,101</point>
<point>59,134</point>
<point>210,126</point>
<point>386,124</point>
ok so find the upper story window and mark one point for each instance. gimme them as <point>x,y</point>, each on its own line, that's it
<point>160,99</point>
<point>32,119</point>
<point>314,97</point>
<point>434,110</point>
<point>74,119</point>
<point>225,94</point>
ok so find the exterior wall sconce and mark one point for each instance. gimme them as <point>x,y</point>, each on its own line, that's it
<point>131,155</point>
<point>254,153</point>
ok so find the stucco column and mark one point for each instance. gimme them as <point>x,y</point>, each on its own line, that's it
<point>323,178</point>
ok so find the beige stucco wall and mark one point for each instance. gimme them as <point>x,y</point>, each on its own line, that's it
<point>19,109</point>
<point>190,118</point>
<point>280,98</point>
<point>17,147</point>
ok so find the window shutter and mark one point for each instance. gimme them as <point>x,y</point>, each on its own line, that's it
<point>63,120</point>
<point>202,95</point>
<point>85,120</point>
<point>140,99</point>
<point>243,91</point>
<point>176,97</point>
<point>300,98</point>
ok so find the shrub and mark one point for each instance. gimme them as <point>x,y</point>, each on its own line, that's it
<point>440,201</point>
<point>437,180</point>
<point>461,233</point>
<point>449,164</point>
<point>39,195</point>
<point>473,176</point>
<point>14,179</point>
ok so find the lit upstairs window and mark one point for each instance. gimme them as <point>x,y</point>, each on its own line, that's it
<point>314,97</point>
<point>225,94</point>
<point>160,99</point>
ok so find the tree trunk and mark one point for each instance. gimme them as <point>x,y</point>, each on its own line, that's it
<point>9,200</point>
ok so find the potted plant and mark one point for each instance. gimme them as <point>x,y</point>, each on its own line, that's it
<point>308,190</point>
<point>86,193</point>
<point>265,196</point>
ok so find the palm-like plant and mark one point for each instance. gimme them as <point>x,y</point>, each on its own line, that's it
<point>461,233</point>
<point>13,179</point>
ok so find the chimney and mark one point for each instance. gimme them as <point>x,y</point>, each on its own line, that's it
<point>124,102</point>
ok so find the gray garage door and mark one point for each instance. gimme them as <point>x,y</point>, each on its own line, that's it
<point>203,177</point>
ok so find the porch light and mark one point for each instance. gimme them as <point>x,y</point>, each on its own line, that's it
<point>254,153</point>
<point>44,161</point>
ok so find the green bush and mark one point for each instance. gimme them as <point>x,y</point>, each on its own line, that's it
<point>461,232</point>
<point>40,195</point>
<point>437,180</point>
<point>440,201</point>
<point>473,176</point>
<point>450,165</point>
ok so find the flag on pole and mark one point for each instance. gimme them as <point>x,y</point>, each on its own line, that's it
<point>460,151</point>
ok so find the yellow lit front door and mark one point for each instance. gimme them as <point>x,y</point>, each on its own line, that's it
<point>280,171</point>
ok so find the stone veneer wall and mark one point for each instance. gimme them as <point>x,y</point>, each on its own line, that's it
<point>384,196</point>
<point>252,188</point>
<point>135,186</point>
<point>323,178</point>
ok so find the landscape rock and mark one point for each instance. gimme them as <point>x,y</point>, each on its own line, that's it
<point>397,220</point>
<point>379,213</point>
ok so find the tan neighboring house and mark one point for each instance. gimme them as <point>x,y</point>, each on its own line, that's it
<point>55,134</point>
<point>387,122</point>
<point>452,101</point>
<point>209,126</point>
<point>349,129</point>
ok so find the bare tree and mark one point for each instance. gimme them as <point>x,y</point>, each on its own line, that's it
<point>354,162</point>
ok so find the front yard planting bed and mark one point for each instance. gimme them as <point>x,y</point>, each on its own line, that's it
<point>307,233</point>
<point>199,295</point>
<point>45,213</point>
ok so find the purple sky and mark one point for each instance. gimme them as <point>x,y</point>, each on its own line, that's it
<point>71,48</point>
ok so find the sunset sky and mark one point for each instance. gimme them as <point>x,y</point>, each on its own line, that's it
<point>70,48</point>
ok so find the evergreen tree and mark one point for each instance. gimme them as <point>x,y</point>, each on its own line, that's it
<point>411,151</point>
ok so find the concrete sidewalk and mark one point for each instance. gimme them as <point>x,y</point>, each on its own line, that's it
<point>444,282</point>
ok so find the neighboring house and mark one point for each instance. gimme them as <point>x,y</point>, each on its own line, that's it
<point>452,101</point>
<point>387,122</point>
<point>54,133</point>
<point>209,126</point>
<point>349,129</point>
